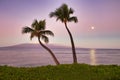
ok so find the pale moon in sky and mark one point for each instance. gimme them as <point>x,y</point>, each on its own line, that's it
<point>92,27</point>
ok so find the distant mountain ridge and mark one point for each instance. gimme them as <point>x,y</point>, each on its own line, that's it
<point>29,45</point>
<point>51,46</point>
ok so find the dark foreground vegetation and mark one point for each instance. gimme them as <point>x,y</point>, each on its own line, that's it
<point>61,72</point>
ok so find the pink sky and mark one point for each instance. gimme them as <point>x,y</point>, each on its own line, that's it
<point>102,14</point>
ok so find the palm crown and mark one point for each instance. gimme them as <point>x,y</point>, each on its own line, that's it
<point>38,30</point>
<point>63,14</point>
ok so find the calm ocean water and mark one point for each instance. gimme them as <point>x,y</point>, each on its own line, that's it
<point>39,57</point>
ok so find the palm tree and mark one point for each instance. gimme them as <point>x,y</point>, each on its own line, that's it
<point>38,30</point>
<point>63,14</point>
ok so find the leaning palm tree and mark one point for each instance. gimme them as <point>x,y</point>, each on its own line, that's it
<point>38,30</point>
<point>63,14</point>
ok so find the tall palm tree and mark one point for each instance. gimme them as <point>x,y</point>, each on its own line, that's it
<point>63,14</point>
<point>38,30</point>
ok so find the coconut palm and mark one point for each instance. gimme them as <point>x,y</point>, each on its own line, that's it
<point>38,30</point>
<point>63,14</point>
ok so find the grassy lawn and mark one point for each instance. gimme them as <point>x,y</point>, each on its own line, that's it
<point>61,72</point>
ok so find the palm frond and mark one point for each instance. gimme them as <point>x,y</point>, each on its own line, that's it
<point>71,11</point>
<point>32,35</point>
<point>42,25</point>
<point>27,30</point>
<point>65,10</point>
<point>52,14</point>
<point>39,25</point>
<point>46,32</point>
<point>73,19</point>
<point>44,38</point>
<point>58,13</point>
<point>34,24</point>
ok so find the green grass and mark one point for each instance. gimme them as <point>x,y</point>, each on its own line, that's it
<point>61,72</point>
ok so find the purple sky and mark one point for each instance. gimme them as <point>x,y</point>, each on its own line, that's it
<point>104,15</point>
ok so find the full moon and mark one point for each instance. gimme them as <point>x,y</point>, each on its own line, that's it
<point>92,27</point>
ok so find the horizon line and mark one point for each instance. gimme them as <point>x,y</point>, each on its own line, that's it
<point>54,45</point>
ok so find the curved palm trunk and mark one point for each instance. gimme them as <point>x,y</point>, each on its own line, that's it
<point>72,43</point>
<point>55,59</point>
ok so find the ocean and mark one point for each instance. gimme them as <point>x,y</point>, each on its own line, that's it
<point>34,56</point>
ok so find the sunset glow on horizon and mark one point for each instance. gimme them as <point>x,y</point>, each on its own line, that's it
<point>98,22</point>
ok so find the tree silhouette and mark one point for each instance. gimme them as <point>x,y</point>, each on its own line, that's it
<point>38,30</point>
<point>63,14</point>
